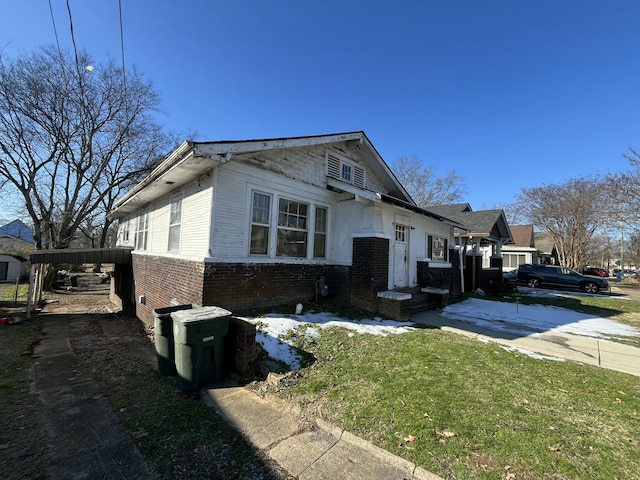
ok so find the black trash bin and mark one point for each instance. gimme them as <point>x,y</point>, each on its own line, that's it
<point>199,346</point>
<point>163,335</point>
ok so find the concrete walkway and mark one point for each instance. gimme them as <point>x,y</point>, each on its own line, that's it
<point>86,440</point>
<point>587,350</point>
<point>324,452</point>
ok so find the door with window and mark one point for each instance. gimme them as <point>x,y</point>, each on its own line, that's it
<point>401,256</point>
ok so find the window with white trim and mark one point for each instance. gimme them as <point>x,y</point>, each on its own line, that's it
<point>125,231</point>
<point>142,231</point>
<point>320,233</point>
<point>401,233</point>
<point>292,229</point>
<point>437,248</point>
<point>175,221</point>
<point>513,260</point>
<point>345,170</point>
<point>260,220</point>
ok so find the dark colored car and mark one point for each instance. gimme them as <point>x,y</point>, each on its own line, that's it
<point>599,272</point>
<point>535,276</point>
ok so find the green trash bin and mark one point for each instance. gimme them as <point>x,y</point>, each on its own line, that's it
<point>163,336</point>
<point>199,346</point>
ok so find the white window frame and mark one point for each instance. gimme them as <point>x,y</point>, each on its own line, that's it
<point>125,231</point>
<point>289,224</point>
<point>346,172</point>
<point>175,224</point>
<point>273,227</point>
<point>320,233</point>
<point>261,225</point>
<point>401,232</point>
<point>142,231</point>
<point>431,239</point>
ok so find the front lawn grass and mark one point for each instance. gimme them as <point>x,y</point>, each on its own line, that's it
<point>466,409</point>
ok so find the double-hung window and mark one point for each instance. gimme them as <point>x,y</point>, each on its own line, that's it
<point>260,219</point>
<point>292,228</point>
<point>125,231</point>
<point>437,249</point>
<point>320,233</point>
<point>175,220</point>
<point>142,231</point>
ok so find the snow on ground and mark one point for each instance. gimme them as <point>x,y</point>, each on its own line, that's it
<point>524,320</point>
<point>276,332</point>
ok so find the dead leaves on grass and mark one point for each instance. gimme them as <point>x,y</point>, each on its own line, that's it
<point>406,441</point>
<point>445,434</point>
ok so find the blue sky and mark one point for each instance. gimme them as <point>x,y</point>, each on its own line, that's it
<point>509,94</point>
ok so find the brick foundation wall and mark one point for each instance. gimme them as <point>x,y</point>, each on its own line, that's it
<point>165,281</point>
<point>441,277</point>
<point>369,271</point>
<point>245,287</point>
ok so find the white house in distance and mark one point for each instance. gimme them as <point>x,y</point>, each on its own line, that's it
<point>260,223</point>
<point>16,236</point>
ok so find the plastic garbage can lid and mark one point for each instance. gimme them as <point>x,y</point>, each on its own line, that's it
<point>200,314</point>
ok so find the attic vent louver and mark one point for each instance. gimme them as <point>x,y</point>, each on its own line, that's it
<point>358,177</point>
<point>345,171</point>
<point>333,166</point>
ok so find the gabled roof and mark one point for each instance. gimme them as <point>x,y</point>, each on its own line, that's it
<point>489,224</point>
<point>452,209</point>
<point>192,159</point>
<point>427,213</point>
<point>544,242</point>
<point>19,230</point>
<point>522,236</point>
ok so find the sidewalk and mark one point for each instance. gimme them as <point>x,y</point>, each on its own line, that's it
<point>86,439</point>
<point>325,452</point>
<point>587,350</point>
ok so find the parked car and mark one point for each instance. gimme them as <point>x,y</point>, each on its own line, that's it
<point>600,272</point>
<point>535,276</point>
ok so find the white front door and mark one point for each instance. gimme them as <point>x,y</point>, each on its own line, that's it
<point>400,256</point>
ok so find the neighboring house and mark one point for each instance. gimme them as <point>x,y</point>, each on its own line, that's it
<point>16,236</point>
<point>521,250</point>
<point>12,267</point>
<point>259,223</point>
<point>483,236</point>
<point>546,247</point>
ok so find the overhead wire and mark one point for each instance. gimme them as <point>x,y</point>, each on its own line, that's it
<point>124,77</point>
<point>55,30</point>
<point>73,38</point>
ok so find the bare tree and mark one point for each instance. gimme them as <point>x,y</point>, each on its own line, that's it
<point>72,133</point>
<point>571,212</point>
<point>633,250</point>
<point>424,186</point>
<point>626,188</point>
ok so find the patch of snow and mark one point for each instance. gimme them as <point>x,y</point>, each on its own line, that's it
<point>531,354</point>
<point>525,320</point>
<point>277,333</point>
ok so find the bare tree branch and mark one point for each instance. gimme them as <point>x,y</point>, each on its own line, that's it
<point>71,138</point>
<point>571,212</point>
<point>424,187</point>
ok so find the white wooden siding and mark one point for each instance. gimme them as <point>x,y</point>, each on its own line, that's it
<point>232,205</point>
<point>194,227</point>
